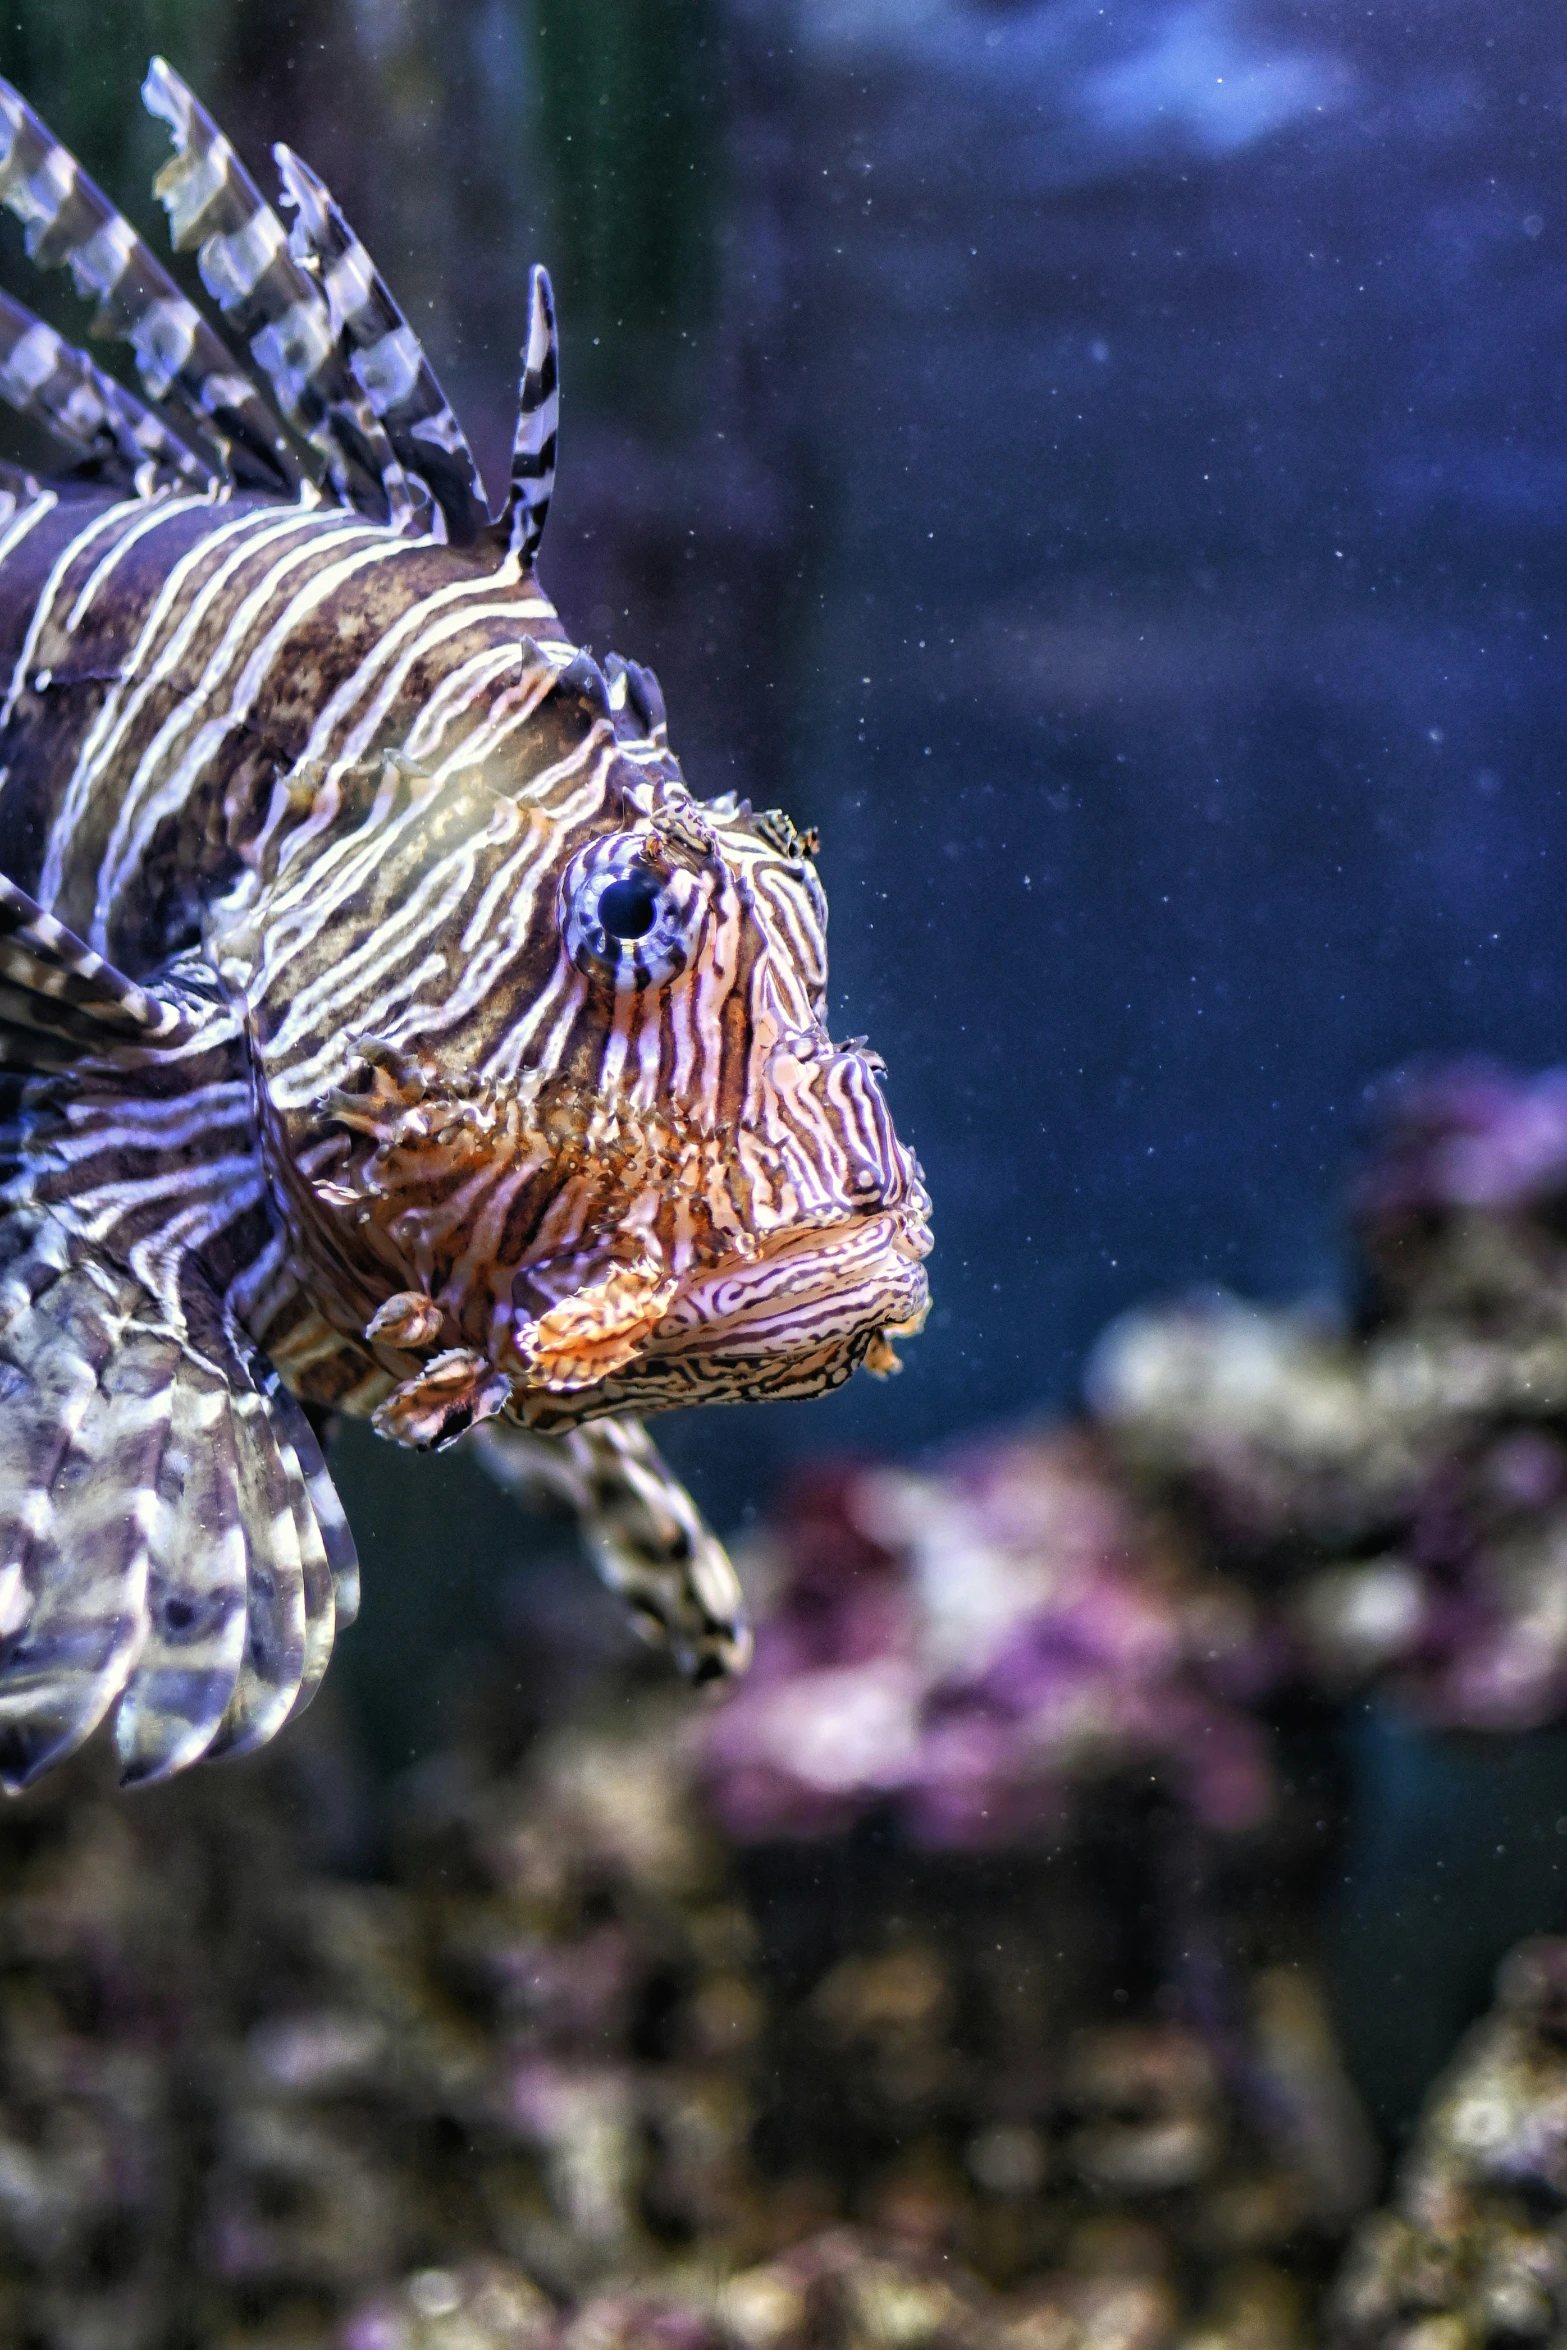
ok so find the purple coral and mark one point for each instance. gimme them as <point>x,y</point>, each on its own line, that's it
<point>1468,1136</point>
<point>1396,1488</point>
<point>974,1648</point>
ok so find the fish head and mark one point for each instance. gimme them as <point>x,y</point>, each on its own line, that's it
<point>579,1140</point>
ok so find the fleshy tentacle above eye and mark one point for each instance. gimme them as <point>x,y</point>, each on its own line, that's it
<point>69,222</point>
<point>383,354</point>
<point>644,1533</point>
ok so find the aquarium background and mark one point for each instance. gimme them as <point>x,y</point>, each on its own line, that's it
<point>1106,466</point>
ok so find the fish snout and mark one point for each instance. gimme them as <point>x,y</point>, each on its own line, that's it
<point>881,1173</point>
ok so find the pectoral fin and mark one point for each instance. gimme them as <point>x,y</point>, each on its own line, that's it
<point>165,1537</point>
<point>597,1330</point>
<point>60,1000</point>
<point>644,1534</point>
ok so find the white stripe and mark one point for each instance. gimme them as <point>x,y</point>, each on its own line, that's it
<point>102,738</point>
<point>153,520</point>
<point>324,814</point>
<point>458,690</point>
<point>106,520</point>
<point>353,688</point>
<point>31,360</point>
<point>388,370</point>
<point>132,836</point>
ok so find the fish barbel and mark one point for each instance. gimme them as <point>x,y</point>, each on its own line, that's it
<point>386,1028</point>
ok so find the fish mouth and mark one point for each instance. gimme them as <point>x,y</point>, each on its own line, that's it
<point>826,1286</point>
<point>795,1319</point>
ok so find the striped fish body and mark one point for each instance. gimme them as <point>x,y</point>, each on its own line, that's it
<point>390,1029</point>
<point>168,660</point>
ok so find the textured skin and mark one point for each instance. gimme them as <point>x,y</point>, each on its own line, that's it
<point>390,1030</point>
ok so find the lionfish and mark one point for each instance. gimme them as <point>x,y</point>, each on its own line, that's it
<point>387,1029</point>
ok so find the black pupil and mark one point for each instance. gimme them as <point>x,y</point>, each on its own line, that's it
<point>628,907</point>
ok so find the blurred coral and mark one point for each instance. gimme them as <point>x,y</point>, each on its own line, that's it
<point>547,2086</point>
<point>975,1647</point>
<point>1398,1487</point>
<point>953,1987</point>
<point>1473,2248</point>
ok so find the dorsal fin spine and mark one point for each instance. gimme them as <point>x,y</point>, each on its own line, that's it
<point>68,221</point>
<point>50,381</point>
<point>381,352</point>
<point>243,256</point>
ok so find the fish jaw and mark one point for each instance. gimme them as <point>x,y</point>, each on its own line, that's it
<point>796,1318</point>
<point>668,1262</point>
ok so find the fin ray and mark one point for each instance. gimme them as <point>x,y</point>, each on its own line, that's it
<point>184,1677</point>
<point>382,352</point>
<point>315,1567</point>
<point>276,1627</point>
<point>52,384</point>
<point>331,1521</point>
<point>69,222</point>
<point>87,1394</point>
<point>645,1535</point>
<point>532,484</point>
<point>246,265</point>
<point>60,999</point>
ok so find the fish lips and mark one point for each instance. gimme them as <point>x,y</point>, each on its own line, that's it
<point>828,1285</point>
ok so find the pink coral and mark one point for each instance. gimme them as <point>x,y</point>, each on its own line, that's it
<point>976,1646</point>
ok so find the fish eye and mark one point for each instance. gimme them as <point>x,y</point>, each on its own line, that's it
<point>628,908</point>
<point>627,919</point>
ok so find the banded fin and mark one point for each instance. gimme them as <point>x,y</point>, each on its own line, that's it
<point>383,354</point>
<point>87,1392</point>
<point>162,1541</point>
<point>277,1648</point>
<point>532,483</point>
<point>247,267</point>
<point>59,999</point>
<point>241,1600</point>
<point>69,222</point>
<point>331,1522</point>
<point>196,1585</point>
<point>644,1533</point>
<point>315,1566</point>
<point>52,384</point>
